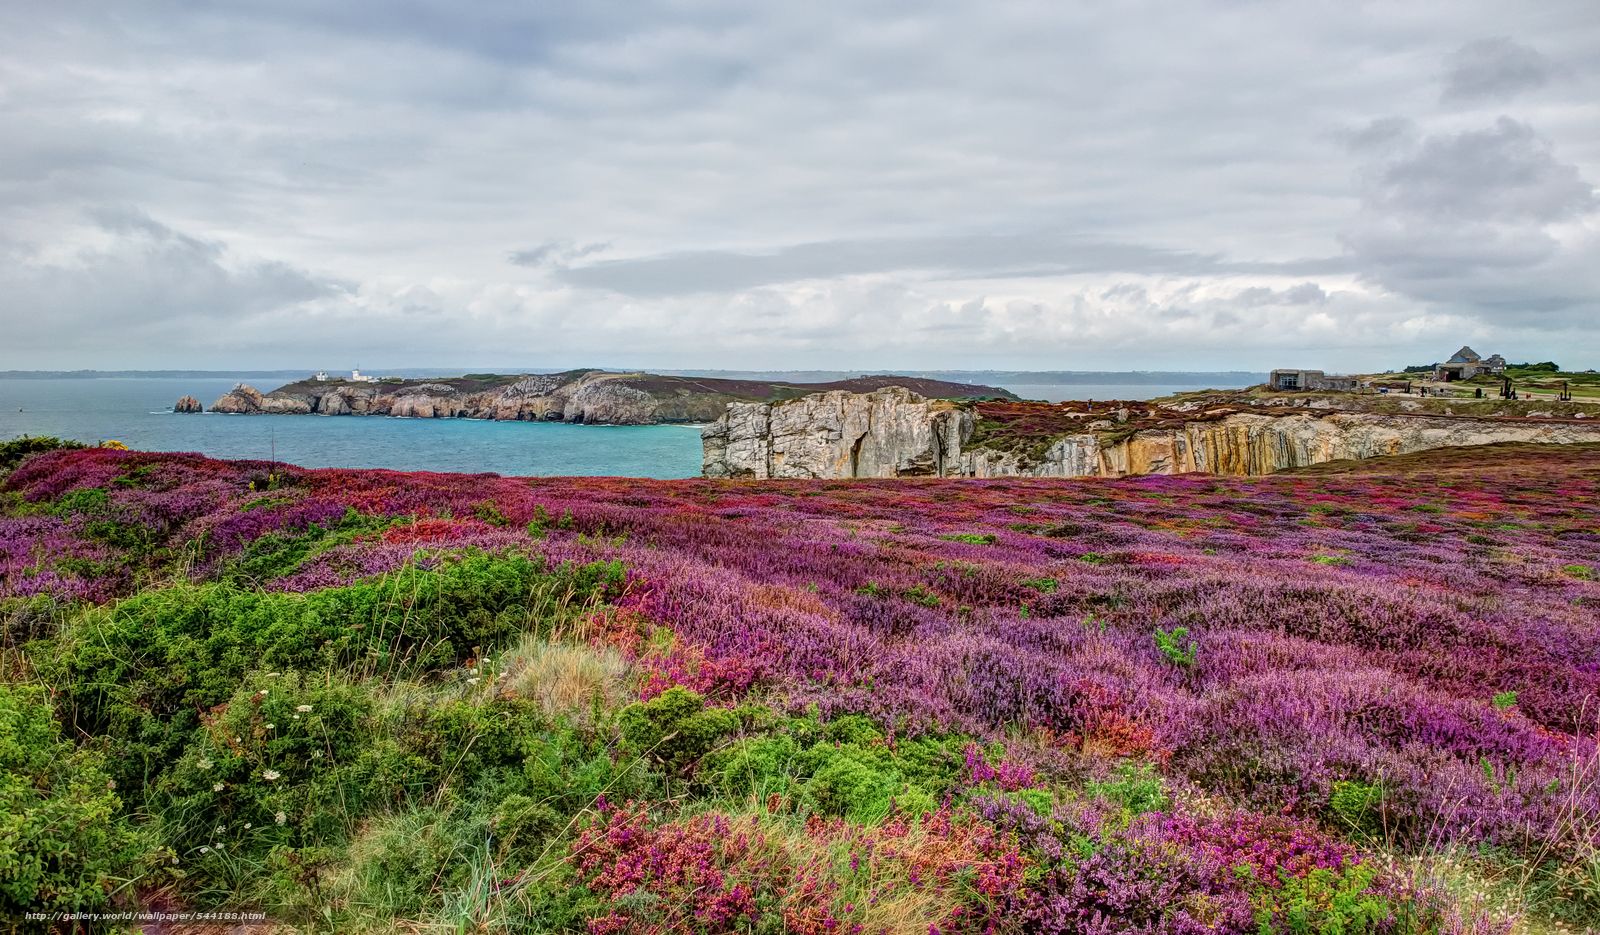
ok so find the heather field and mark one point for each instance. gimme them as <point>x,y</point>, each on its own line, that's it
<point>367,701</point>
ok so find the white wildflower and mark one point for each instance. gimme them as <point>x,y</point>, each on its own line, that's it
<point>280,818</point>
<point>247,826</point>
<point>472,681</point>
<point>271,726</point>
<point>262,692</point>
<point>220,829</point>
<point>295,716</point>
<point>203,763</point>
<point>270,774</point>
<point>303,708</point>
<point>216,787</point>
<point>204,849</point>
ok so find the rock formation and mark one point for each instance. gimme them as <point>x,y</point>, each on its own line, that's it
<point>239,400</point>
<point>895,433</point>
<point>578,396</point>
<point>187,404</point>
<point>610,403</point>
<point>891,432</point>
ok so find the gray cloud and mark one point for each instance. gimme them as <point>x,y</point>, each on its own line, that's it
<point>1503,173</point>
<point>1475,220</point>
<point>555,252</point>
<point>992,256</point>
<point>1490,70</point>
<point>158,284</point>
<point>681,183</point>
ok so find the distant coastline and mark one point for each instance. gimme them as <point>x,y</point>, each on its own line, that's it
<point>587,396</point>
<point>990,377</point>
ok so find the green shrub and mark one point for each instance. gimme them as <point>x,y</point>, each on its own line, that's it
<point>1326,901</point>
<point>141,671</point>
<point>13,451</point>
<point>843,768</point>
<point>675,727</point>
<point>281,553</point>
<point>850,781</point>
<point>1357,806</point>
<point>1581,572</point>
<point>1504,701</point>
<point>1176,646</point>
<point>490,513</point>
<point>64,842</point>
<point>1137,787</point>
<point>286,761</point>
<point>973,538</point>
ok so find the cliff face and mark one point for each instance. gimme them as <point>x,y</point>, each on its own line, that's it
<point>892,433</point>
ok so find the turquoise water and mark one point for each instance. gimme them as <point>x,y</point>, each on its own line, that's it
<point>137,412</point>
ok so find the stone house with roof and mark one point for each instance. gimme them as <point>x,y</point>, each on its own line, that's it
<point>1466,364</point>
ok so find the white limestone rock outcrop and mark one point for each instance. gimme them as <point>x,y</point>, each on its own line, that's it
<point>891,432</point>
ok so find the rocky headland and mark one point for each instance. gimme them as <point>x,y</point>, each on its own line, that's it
<point>894,432</point>
<point>575,396</point>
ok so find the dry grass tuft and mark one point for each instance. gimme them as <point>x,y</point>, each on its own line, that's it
<point>565,678</point>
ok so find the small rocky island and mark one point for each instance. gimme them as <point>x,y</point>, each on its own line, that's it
<point>895,432</point>
<point>574,396</point>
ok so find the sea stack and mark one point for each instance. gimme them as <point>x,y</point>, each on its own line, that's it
<point>241,399</point>
<point>187,404</point>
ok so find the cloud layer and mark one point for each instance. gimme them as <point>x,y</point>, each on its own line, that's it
<point>841,185</point>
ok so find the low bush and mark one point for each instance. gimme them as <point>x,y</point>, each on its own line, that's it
<point>65,844</point>
<point>13,451</point>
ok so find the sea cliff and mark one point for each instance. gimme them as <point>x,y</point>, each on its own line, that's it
<point>577,396</point>
<point>896,433</point>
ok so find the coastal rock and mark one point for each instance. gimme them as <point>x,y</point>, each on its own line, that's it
<point>894,433</point>
<point>611,403</point>
<point>187,404</point>
<point>285,404</point>
<point>428,401</point>
<point>242,399</point>
<point>530,399</point>
<point>577,396</point>
<point>344,401</point>
<point>891,432</point>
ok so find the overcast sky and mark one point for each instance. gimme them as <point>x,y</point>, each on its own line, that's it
<point>858,185</point>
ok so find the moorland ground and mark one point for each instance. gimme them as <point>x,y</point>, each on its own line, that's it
<point>1358,699</point>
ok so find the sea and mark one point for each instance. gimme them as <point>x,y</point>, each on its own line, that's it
<point>138,413</point>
